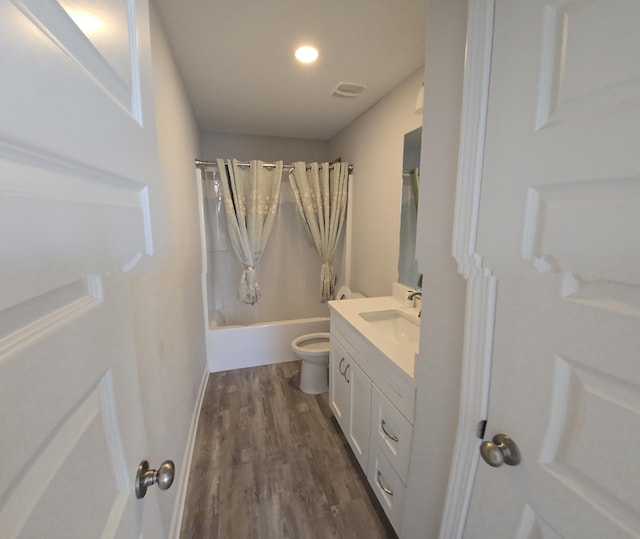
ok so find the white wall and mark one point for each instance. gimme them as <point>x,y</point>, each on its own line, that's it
<point>373,143</point>
<point>438,365</point>
<point>167,301</point>
<point>248,147</point>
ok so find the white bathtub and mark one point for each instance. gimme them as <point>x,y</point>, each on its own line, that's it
<point>236,347</point>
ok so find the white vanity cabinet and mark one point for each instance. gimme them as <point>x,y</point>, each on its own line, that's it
<point>373,402</point>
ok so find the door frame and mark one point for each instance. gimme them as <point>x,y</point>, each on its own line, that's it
<point>481,283</point>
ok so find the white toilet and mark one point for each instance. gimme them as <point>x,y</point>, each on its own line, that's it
<point>313,350</point>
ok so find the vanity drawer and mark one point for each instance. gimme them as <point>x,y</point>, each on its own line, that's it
<point>386,484</point>
<point>391,431</point>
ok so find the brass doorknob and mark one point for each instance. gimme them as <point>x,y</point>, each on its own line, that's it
<point>501,450</point>
<point>146,478</point>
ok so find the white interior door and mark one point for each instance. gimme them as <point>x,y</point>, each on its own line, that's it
<point>558,225</point>
<point>77,166</point>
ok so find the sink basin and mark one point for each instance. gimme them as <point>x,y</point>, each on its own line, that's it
<point>403,328</point>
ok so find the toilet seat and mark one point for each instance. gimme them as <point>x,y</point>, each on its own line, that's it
<point>312,346</point>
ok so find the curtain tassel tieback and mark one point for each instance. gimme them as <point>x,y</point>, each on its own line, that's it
<point>327,281</point>
<point>249,291</point>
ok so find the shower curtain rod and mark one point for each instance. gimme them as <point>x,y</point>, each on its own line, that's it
<point>200,163</point>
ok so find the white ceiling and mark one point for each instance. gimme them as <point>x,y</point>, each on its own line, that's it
<point>236,60</point>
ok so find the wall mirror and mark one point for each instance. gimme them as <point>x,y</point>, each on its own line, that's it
<point>407,264</point>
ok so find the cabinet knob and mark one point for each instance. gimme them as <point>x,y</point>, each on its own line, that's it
<point>346,369</point>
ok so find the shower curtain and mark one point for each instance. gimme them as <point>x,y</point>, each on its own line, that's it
<point>408,273</point>
<point>415,186</point>
<point>216,239</point>
<point>320,192</point>
<point>251,197</point>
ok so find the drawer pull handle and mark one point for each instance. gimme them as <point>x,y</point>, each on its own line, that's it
<point>340,367</point>
<point>346,369</point>
<point>390,436</point>
<point>387,490</point>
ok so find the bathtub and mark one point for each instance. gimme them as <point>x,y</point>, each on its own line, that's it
<point>236,347</point>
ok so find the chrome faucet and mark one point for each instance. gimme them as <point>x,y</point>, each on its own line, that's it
<point>413,294</point>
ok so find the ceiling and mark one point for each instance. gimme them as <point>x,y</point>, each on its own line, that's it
<point>236,60</point>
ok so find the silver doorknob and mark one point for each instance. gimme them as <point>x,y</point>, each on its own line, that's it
<point>146,478</point>
<point>501,450</point>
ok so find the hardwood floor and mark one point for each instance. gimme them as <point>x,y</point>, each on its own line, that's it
<point>269,462</point>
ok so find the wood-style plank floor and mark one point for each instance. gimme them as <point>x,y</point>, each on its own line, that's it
<point>269,463</point>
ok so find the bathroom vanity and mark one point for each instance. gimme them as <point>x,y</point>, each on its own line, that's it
<point>372,389</point>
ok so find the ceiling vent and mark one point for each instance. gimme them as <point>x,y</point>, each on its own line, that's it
<point>348,89</point>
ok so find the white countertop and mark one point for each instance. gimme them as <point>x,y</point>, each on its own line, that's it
<point>402,355</point>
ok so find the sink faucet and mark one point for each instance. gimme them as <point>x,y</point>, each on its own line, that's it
<point>413,294</point>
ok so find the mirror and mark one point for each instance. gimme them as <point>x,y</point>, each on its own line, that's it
<point>407,263</point>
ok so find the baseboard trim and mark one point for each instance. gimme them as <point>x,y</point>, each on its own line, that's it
<point>178,508</point>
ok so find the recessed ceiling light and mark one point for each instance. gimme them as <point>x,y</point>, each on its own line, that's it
<point>306,54</point>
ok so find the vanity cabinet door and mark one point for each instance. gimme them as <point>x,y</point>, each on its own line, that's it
<point>360,411</point>
<point>338,386</point>
<point>350,400</point>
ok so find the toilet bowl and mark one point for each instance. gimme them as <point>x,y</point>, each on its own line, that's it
<point>313,350</point>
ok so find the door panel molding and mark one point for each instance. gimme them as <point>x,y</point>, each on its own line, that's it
<point>563,232</point>
<point>533,526</point>
<point>564,91</point>
<point>74,191</point>
<point>24,153</point>
<point>481,283</point>
<point>40,480</point>
<point>120,82</point>
<point>45,314</point>
<point>573,429</point>
<point>563,224</point>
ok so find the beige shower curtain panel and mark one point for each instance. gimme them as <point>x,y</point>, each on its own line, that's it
<point>251,197</point>
<point>320,192</point>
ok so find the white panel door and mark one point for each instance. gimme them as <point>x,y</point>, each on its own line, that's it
<point>78,168</point>
<point>558,225</point>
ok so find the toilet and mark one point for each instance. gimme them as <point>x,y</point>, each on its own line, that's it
<point>313,350</point>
